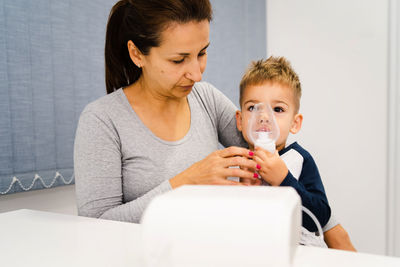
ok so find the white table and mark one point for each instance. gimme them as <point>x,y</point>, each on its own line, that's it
<point>36,238</point>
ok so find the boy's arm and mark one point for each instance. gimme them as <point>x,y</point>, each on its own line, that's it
<point>311,190</point>
<point>338,238</point>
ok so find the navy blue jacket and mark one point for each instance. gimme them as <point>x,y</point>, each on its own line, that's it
<point>304,176</point>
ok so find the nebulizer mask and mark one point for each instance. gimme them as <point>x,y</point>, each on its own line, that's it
<point>263,131</point>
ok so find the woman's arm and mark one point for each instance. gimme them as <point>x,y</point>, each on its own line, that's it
<point>98,171</point>
<point>338,238</point>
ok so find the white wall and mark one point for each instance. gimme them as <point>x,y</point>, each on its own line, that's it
<point>339,49</point>
<point>394,130</point>
<point>60,200</point>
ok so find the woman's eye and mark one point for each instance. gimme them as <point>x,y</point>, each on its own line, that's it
<point>278,109</point>
<point>178,61</point>
<point>183,59</point>
<point>250,108</point>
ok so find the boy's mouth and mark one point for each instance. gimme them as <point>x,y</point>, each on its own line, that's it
<point>263,129</point>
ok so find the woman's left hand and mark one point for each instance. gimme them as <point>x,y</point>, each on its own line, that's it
<point>272,168</point>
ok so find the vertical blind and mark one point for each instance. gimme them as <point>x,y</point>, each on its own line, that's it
<point>52,65</point>
<point>237,37</point>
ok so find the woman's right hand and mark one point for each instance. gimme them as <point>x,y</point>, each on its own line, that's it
<point>215,168</point>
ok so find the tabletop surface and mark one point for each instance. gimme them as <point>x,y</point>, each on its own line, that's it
<point>37,238</point>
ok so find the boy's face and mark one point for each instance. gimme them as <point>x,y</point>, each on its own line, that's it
<point>281,99</point>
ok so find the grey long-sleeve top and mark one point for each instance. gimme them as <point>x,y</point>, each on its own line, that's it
<point>120,165</point>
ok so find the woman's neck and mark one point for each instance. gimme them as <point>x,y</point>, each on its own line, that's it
<point>167,117</point>
<point>140,95</point>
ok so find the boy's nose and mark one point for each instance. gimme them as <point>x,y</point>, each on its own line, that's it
<point>264,118</point>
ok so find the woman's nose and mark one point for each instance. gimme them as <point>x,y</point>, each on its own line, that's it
<point>194,71</point>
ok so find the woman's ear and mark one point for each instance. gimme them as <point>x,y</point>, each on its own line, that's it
<point>135,54</point>
<point>296,124</point>
<point>239,120</point>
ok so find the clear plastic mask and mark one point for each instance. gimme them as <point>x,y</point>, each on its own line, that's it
<point>263,130</point>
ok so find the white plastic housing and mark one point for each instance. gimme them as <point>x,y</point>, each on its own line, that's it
<point>222,226</point>
<point>265,142</point>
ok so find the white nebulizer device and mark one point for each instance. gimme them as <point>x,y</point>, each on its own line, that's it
<point>263,131</point>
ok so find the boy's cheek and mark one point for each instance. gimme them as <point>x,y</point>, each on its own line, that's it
<point>246,137</point>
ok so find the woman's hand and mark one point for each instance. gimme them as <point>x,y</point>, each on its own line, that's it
<point>272,168</point>
<point>215,168</point>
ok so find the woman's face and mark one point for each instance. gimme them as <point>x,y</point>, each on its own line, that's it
<point>171,69</point>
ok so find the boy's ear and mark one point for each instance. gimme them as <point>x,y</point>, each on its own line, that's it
<point>239,120</point>
<point>135,54</point>
<point>296,124</point>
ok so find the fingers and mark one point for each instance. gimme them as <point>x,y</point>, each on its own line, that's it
<point>215,169</point>
<point>264,155</point>
<point>246,183</point>
<point>236,172</point>
<point>261,153</point>
<point>250,181</point>
<point>259,161</point>
<point>228,182</point>
<point>242,162</point>
<point>234,151</point>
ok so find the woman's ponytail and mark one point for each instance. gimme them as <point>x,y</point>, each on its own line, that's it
<point>119,69</point>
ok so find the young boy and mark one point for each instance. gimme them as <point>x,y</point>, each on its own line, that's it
<point>274,82</point>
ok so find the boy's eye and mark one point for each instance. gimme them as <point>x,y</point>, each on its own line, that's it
<point>250,108</point>
<point>278,109</point>
<point>202,53</point>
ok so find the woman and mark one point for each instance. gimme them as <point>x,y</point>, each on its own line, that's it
<point>161,130</point>
<point>159,127</point>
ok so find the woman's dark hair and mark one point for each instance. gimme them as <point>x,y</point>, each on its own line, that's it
<point>142,22</point>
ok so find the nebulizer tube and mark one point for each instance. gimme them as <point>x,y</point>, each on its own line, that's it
<point>314,218</point>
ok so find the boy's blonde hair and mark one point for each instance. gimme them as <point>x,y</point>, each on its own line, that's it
<point>274,69</point>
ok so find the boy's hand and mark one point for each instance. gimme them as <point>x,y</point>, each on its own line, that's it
<point>247,181</point>
<point>273,169</point>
